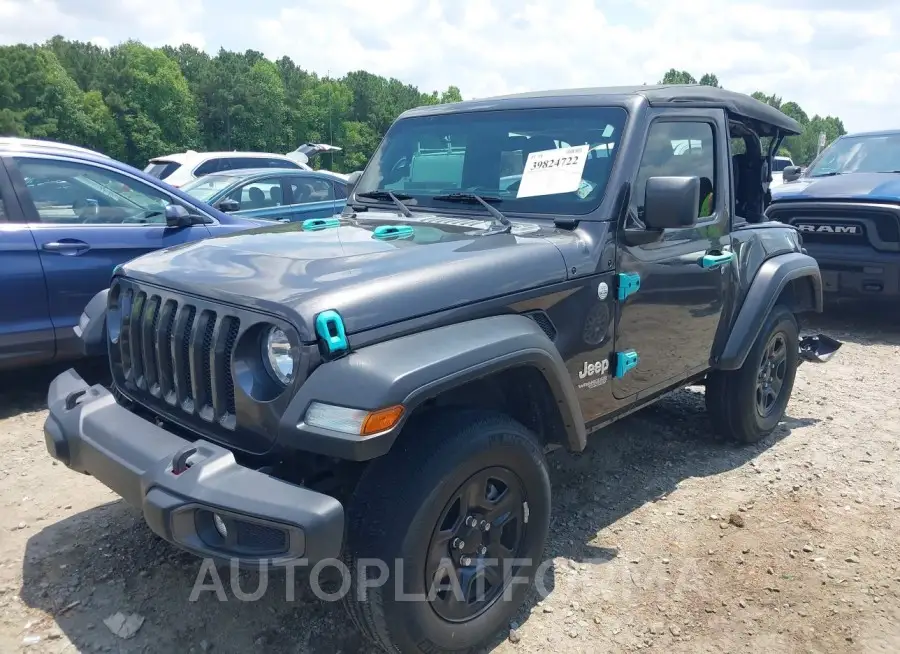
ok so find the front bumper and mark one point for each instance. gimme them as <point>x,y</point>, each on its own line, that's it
<point>857,271</point>
<point>266,520</point>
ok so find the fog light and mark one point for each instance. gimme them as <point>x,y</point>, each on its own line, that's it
<point>220,525</point>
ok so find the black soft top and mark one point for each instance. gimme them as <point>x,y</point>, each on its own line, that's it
<point>767,119</point>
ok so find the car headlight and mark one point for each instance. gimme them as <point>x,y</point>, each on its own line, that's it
<point>277,355</point>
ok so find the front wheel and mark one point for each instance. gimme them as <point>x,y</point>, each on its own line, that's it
<point>747,404</point>
<point>446,532</point>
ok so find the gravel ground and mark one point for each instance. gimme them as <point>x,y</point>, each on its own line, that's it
<point>662,537</point>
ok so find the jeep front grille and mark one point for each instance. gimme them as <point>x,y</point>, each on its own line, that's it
<point>179,354</point>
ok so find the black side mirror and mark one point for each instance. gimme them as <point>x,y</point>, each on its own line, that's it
<point>671,202</point>
<point>177,216</point>
<point>791,173</point>
<point>228,205</point>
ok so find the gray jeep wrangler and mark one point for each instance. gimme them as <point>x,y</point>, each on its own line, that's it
<point>509,276</point>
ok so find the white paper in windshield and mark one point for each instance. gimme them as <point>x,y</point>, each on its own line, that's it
<point>553,171</point>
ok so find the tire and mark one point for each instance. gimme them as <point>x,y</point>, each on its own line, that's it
<point>398,505</point>
<point>732,395</point>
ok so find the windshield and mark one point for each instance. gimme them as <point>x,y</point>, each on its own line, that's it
<point>533,160</point>
<point>204,188</point>
<point>859,154</point>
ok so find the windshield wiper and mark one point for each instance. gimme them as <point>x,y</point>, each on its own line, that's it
<point>387,195</point>
<point>829,174</point>
<point>472,198</point>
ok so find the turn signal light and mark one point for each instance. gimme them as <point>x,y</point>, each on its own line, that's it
<point>382,420</point>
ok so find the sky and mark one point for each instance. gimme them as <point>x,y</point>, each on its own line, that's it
<point>832,57</point>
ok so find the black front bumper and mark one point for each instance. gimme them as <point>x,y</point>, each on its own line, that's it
<point>858,272</point>
<point>265,519</point>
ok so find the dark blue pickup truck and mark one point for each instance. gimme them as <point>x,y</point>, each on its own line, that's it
<point>846,206</point>
<point>68,217</point>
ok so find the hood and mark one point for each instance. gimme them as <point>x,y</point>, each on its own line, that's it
<point>295,273</point>
<point>875,187</point>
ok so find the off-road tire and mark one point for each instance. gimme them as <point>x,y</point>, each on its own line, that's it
<point>731,394</point>
<point>396,506</point>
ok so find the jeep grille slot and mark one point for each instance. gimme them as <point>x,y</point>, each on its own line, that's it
<point>181,355</point>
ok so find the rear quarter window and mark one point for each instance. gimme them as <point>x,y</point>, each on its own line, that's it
<point>162,169</point>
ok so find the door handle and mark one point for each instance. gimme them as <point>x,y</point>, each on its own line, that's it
<point>715,260</point>
<point>66,247</point>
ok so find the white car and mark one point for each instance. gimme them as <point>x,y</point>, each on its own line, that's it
<point>778,166</point>
<point>181,168</point>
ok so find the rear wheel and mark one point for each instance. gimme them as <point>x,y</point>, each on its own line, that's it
<point>459,512</point>
<point>747,404</point>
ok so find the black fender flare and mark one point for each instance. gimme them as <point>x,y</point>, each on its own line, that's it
<point>91,327</point>
<point>773,277</point>
<point>411,369</point>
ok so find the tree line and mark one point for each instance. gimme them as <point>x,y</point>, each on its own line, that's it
<point>134,102</point>
<point>801,148</point>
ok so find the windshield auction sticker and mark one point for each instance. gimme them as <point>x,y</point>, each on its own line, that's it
<point>553,171</point>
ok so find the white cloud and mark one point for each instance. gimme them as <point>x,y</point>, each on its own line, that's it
<point>830,56</point>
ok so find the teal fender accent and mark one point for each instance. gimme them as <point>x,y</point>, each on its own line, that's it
<point>330,329</point>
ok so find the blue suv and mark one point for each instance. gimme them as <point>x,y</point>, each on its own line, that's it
<point>68,217</point>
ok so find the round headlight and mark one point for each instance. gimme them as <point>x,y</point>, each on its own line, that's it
<point>278,355</point>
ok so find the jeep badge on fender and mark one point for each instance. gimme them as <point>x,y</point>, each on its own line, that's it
<point>591,369</point>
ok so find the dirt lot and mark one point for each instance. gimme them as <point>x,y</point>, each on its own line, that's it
<point>662,537</point>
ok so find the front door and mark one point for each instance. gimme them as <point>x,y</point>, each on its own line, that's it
<point>86,219</point>
<point>26,332</point>
<point>670,321</point>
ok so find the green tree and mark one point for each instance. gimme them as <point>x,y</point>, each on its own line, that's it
<point>151,101</point>
<point>678,77</point>
<point>709,80</point>
<point>452,94</point>
<point>38,97</point>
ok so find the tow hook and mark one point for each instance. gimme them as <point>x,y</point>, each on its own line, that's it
<point>818,348</point>
<point>181,462</point>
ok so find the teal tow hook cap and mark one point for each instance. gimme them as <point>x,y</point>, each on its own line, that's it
<point>313,224</point>
<point>392,232</point>
<point>330,328</point>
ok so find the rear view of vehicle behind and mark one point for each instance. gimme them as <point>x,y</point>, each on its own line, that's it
<point>847,209</point>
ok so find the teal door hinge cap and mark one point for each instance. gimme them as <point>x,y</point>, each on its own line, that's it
<point>628,284</point>
<point>330,328</point>
<point>625,361</point>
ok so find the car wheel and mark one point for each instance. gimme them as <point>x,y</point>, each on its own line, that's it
<point>459,512</point>
<point>747,404</point>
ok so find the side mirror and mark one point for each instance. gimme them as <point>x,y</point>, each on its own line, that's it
<point>791,173</point>
<point>228,205</point>
<point>177,216</point>
<point>671,202</point>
